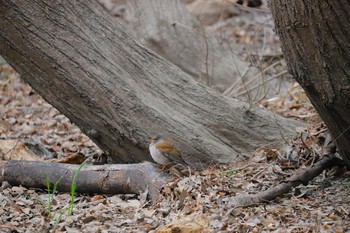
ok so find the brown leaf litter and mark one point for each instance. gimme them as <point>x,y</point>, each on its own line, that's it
<point>198,201</point>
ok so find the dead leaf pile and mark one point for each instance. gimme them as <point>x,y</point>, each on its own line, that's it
<point>26,116</point>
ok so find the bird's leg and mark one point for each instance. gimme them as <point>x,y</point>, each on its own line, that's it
<point>175,172</point>
<point>164,166</point>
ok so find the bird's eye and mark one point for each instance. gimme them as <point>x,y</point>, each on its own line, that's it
<point>152,138</point>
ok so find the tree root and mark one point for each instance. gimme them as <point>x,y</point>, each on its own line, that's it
<point>303,177</point>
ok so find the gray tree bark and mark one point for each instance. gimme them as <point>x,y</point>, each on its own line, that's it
<point>315,41</point>
<point>81,61</point>
<point>179,37</point>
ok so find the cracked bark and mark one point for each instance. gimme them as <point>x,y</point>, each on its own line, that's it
<point>315,41</point>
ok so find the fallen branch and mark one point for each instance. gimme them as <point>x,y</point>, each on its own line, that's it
<point>108,179</point>
<point>328,160</point>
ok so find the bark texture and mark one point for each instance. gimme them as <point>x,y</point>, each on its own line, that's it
<point>315,40</point>
<point>177,36</point>
<point>108,179</point>
<point>81,61</point>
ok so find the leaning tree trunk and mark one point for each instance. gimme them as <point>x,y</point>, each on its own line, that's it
<point>80,60</point>
<point>315,38</point>
<point>177,36</point>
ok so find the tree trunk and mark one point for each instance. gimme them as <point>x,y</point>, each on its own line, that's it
<point>316,41</point>
<point>80,60</point>
<point>177,36</point>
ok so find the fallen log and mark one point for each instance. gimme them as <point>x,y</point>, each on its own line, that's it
<point>107,179</point>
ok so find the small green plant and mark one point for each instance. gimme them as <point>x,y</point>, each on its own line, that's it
<point>59,217</point>
<point>74,185</point>
<point>50,194</point>
<point>52,191</point>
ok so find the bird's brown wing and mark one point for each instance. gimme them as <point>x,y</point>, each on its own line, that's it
<point>167,148</point>
<point>170,152</point>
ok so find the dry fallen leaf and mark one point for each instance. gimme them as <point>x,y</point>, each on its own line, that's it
<point>189,224</point>
<point>14,149</point>
<point>97,198</point>
<point>72,158</point>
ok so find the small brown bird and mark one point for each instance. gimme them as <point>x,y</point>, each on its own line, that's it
<point>164,153</point>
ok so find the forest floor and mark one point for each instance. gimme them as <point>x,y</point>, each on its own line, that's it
<point>200,200</point>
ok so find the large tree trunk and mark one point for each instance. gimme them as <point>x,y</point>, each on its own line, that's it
<point>81,61</point>
<point>315,40</point>
<point>177,36</point>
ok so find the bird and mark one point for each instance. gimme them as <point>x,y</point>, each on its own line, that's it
<point>164,153</point>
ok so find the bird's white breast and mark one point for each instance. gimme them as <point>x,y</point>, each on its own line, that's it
<point>157,155</point>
